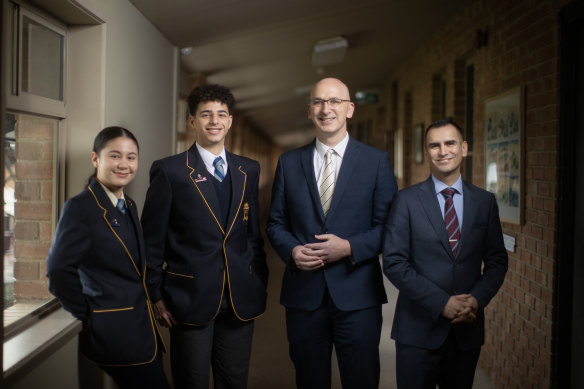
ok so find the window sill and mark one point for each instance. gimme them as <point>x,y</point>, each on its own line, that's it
<point>28,348</point>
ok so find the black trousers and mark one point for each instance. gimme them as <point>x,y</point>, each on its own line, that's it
<point>449,367</point>
<point>148,376</point>
<point>224,345</point>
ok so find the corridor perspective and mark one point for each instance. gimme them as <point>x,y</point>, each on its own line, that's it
<point>509,72</point>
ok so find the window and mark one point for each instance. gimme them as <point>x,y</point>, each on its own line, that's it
<point>36,64</point>
<point>35,107</point>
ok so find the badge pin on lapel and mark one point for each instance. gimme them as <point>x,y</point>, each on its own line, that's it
<point>245,211</point>
<point>200,178</point>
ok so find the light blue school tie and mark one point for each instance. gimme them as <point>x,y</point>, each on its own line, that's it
<point>219,172</point>
<point>121,206</point>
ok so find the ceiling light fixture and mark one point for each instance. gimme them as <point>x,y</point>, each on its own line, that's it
<point>329,51</point>
<point>186,51</point>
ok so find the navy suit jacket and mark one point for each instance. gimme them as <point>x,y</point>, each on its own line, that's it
<point>418,260</point>
<point>97,275</point>
<point>182,228</point>
<point>363,192</point>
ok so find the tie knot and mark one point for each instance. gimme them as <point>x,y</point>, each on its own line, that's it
<point>121,205</point>
<point>218,162</point>
<point>328,155</point>
<point>448,192</point>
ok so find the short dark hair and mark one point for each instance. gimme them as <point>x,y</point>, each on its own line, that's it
<point>443,123</point>
<point>210,92</point>
<point>108,134</point>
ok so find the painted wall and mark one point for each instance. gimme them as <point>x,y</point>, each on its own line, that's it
<point>123,72</point>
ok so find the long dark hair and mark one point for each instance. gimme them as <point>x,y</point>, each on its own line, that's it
<point>105,136</point>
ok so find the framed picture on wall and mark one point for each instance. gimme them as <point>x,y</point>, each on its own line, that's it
<point>419,143</point>
<point>504,164</point>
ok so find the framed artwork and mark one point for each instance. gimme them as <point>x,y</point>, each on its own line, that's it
<point>419,143</point>
<point>504,164</point>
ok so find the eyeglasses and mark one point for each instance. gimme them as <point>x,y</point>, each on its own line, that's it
<point>333,103</point>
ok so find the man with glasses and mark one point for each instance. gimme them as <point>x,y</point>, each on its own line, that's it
<point>330,200</point>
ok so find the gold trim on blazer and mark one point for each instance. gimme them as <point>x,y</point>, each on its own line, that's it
<point>153,322</point>
<point>113,310</point>
<point>179,275</point>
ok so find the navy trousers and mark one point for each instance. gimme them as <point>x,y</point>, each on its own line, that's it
<point>355,336</point>
<point>449,367</point>
<point>224,345</point>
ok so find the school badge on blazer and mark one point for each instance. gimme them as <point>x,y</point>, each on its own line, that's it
<point>245,211</point>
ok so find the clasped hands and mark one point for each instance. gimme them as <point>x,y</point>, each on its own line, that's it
<point>312,256</point>
<point>461,308</point>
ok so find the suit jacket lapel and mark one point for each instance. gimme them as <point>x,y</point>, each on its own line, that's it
<point>308,169</point>
<point>238,184</point>
<point>469,214</point>
<point>200,177</point>
<point>432,209</point>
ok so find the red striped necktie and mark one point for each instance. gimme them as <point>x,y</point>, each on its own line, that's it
<point>451,220</point>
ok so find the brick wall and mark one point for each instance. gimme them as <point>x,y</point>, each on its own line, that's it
<point>33,210</point>
<point>522,50</point>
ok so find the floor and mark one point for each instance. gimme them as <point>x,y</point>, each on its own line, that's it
<point>270,365</point>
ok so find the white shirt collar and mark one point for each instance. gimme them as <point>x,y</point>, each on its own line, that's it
<point>111,195</point>
<point>339,148</point>
<point>208,158</point>
<point>439,185</point>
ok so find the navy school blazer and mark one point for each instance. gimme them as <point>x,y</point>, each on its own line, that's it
<point>191,255</point>
<point>418,260</point>
<point>99,278</point>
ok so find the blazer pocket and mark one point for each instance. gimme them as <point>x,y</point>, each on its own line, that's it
<point>119,336</point>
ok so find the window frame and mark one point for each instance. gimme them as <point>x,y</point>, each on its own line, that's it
<point>16,99</point>
<point>18,102</point>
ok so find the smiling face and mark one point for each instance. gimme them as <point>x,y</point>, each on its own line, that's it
<point>330,123</point>
<point>211,122</point>
<point>445,150</point>
<point>116,164</point>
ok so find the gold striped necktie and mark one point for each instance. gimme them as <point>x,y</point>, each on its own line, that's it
<point>326,185</point>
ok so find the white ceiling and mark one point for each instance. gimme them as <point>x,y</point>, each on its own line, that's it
<point>262,49</point>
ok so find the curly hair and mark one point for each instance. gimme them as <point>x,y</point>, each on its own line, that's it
<point>210,92</point>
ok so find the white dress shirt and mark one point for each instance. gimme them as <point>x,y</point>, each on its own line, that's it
<point>208,158</point>
<point>320,150</point>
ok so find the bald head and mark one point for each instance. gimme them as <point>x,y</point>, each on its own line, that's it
<point>328,83</point>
